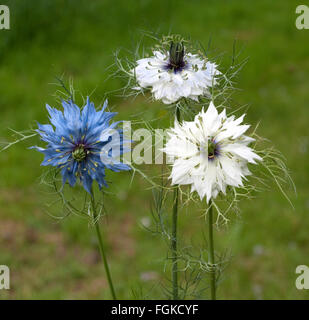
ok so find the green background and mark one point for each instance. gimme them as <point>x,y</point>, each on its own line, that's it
<point>77,39</point>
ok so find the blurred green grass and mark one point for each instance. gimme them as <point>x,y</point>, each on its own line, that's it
<point>77,39</point>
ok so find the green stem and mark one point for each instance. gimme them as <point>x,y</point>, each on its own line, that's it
<point>211,254</point>
<point>174,245</point>
<point>109,278</point>
<point>174,233</point>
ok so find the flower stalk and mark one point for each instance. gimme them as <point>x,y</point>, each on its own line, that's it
<point>174,245</point>
<point>174,234</point>
<point>99,236</point>
<point>211,253</point>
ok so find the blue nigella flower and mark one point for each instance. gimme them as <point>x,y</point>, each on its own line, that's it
<point>77,140</point>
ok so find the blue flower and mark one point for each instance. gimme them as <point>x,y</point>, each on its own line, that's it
<point>82,143</point>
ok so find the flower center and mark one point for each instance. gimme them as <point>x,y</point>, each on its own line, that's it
<point>213,149</point>
<point>79,153</point>
<point>176,57</point>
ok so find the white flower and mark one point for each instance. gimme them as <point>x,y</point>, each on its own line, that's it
<point>175,74</point>
<point>210,153</point>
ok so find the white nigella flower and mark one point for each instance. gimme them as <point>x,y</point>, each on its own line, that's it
<point>175,74</point>
<point>210,153</point>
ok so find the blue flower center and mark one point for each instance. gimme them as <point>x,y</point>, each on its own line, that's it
<point>79,153</point>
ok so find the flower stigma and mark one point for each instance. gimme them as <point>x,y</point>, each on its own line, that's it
<point>213,149</point>
<point>79,153</point>
<point>176,57</point>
